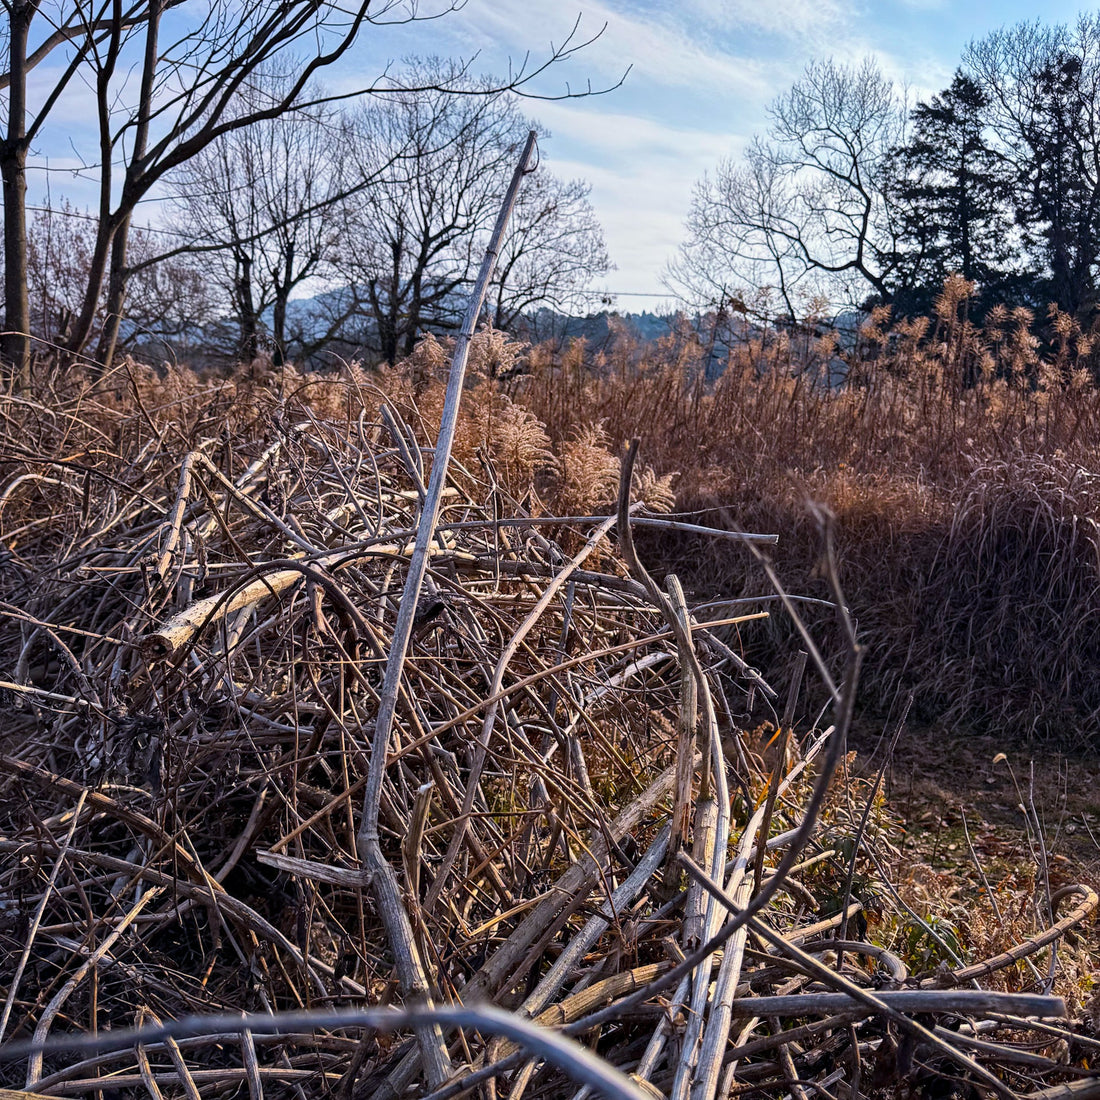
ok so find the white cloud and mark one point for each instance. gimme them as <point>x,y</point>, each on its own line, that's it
<point>702,74</point>
<point>609,134</point>
<point>796,20</point>
<point>654,48</point>
<point>641,171</point>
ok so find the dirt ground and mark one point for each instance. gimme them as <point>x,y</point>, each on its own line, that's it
<point>938,778</point>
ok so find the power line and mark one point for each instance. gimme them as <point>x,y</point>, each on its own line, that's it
<point>661,295</point>
<point>633,293</point>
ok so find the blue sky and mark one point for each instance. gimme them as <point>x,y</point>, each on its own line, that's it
<point>701,75</point>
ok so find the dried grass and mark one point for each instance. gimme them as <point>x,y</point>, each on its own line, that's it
<point>958,460</point>
<point>199,586</point>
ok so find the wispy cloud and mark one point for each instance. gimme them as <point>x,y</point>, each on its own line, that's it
<point>795,20</point>
<point>656,48</point>
<point>642,172</point>
<point>642,217</point>
<point>702,73</point>
<point>608,133</point>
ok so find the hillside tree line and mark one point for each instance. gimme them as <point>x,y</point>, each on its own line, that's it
<point>371,205</point>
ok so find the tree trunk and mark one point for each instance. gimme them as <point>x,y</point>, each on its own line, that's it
<point>116,296</point>
<point>385,317</point>
<point>282,296</point>
<point>412,317</point>
<point>250,327</point>
<point>97,270</point>
<point>278,326</point>
<point>105,230</point>
<point>387,337</point>
<point>15,346</point>
<point>116,285</point>
<point>393,304</point>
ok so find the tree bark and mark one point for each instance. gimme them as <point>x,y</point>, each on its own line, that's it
<point>116,295</point>
<point>278,326</point>
<point>116,285</point>
<point>416,307</point>
<point>246,308</point>
<point>283,287</point>
<point>385,315</point>
<point>15,344</point>
<point>97,272</point>
<point>105,231</point>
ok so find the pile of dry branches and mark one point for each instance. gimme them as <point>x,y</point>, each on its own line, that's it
<point>250,767</point>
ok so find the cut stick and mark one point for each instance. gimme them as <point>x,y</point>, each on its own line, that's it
<point>955,1002</point>
<point>169,640</point>
<point>578,946</point>
<point>570,891</point>
<point>387,895</point>
<point>852,991</point>
<point>1087,905</point>
<point>172,537</point>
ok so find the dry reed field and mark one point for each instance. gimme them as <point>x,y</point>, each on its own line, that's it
<point>588,835</point>
<point>959,460</point>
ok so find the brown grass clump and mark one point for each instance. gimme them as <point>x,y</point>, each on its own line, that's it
<point>589,472</point>
<point>1017,585</point>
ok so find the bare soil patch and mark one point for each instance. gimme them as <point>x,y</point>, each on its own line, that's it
<point>937,777</point>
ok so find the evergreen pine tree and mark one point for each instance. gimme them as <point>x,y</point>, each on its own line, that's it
<point>954,192</point>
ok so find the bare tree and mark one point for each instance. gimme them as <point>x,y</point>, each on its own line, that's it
<point>59,248</point>
<point>171,298</point>
<point>553,253</point>
<point>261,201</point>
<point>170,301</point>
<point>745,229</point>
<point>179,101</point>
<point>163,92</point>
<point>188,97</point>
<point>809,206</point>
<point>77,30</point>
<point>439,160</point>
